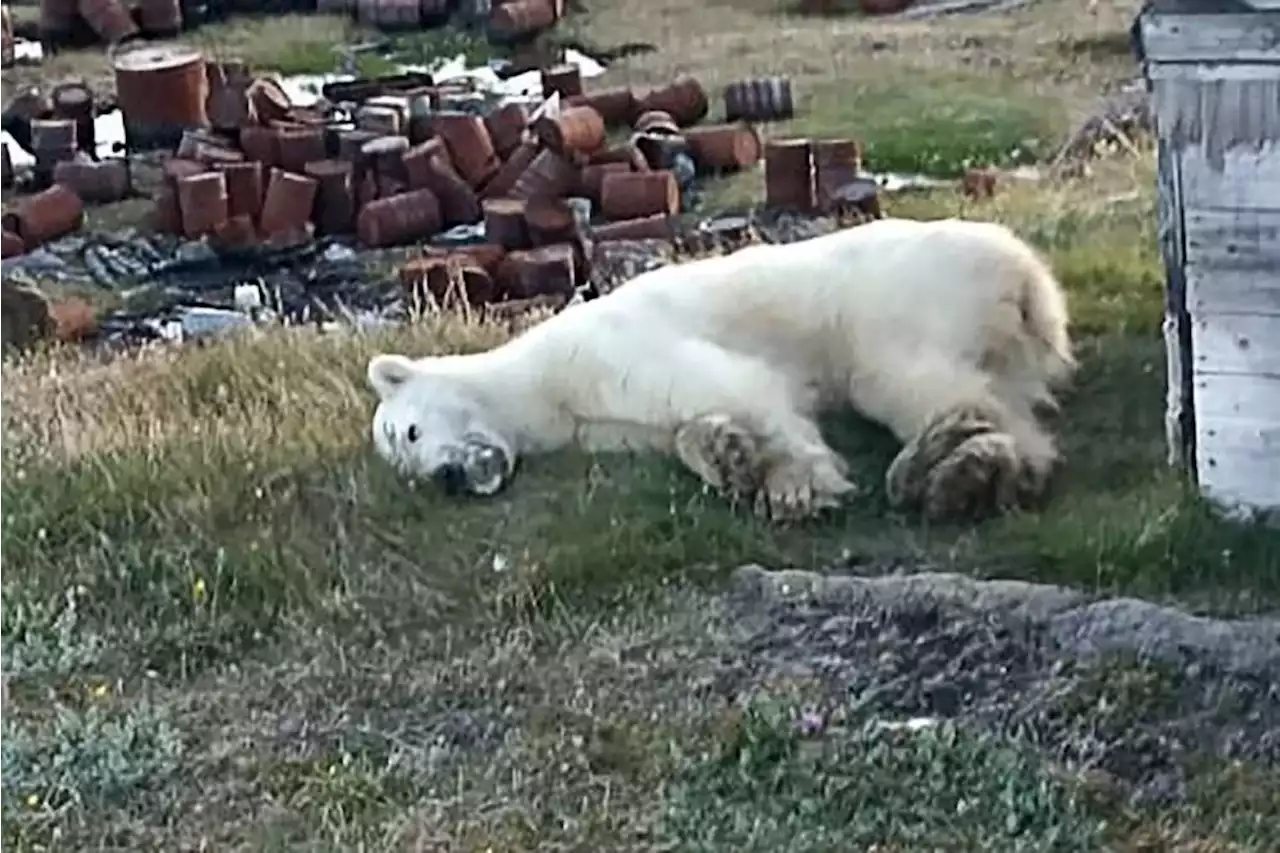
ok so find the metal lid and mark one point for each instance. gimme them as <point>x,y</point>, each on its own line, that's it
<point>154,56</point>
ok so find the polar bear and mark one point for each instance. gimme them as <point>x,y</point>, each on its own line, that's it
<point>951,333</point>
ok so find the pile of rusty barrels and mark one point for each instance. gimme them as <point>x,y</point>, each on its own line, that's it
<point>59,131</point>
<point>78,23</point>
<point>507,21</point>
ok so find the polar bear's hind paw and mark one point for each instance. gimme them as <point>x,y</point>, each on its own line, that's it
<point>724,454</point>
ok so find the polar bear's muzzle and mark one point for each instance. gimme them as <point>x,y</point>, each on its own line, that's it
<point>479,469</point>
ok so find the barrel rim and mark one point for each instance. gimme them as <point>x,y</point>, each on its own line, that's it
<point>159,55</point>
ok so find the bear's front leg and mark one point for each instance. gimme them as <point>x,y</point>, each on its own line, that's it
<point>786,472</point>
<point>972,460</point>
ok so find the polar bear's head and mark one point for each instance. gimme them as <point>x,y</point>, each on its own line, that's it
<point>431,423</point>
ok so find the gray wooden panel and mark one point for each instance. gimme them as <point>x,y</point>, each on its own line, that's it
<point>1238,462</point>
<point>1234,396</point>
<point>1247,37</point>
<point>1213,290</point>
<point>1236,343</point>
<point>1234,239</point>
<point>1246,178</point>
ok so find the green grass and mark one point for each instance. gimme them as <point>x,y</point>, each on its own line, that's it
<point>226,623</point>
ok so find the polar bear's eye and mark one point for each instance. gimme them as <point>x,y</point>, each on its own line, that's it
<point>412,432</point>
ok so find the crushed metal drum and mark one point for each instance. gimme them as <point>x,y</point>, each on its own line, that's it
<point>548,175</point>
<point>506,126</point>
<point>504,181</point>
<point>98,182</point>
<point>545,271</point>
<point>470,147</point>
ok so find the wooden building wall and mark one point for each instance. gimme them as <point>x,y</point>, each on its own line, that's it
<point>1216,85</point>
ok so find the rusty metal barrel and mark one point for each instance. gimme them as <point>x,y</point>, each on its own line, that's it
<point>100,182</point>
<point>518,19</point>
<point>204,203</point>
<point>684,100</point>
<point>75,101</point>
<point>288,204</point>
<point>244,187</point>
<point>548,175</point>
<point>470,147</point>
<point>334,210</point>
<point>506,126</point>
<point>110,19</point>
<point>577,130</point>
<point>788,174</point>
<point>161,90</point>
<point>723,147</point>
<point>52,141</point>
<point>45,216</point>
<point>400,219</point>
<point>763,99</point>
<point>160,18</point>
<point>389,14</point>
<point>632,195</point>
<point>58,19</point>
<point>564,79</point>
<point>616,106</point>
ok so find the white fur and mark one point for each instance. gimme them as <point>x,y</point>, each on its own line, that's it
<point>902,319</point>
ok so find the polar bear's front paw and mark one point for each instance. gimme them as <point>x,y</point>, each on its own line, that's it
<point>800,489</point>
<point>907,479</point>
<point>723,453</point>
<point>984,475</point>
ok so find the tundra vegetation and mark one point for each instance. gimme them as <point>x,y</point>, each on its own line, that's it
<point>225,622</point>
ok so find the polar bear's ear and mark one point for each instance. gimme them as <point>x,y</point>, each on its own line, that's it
<point>388,372</point>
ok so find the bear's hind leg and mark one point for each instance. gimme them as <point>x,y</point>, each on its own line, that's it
<point>965,451</point>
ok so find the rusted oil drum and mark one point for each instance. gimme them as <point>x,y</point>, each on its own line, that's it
<point>58,19</point>
<point>160,18</point>
<point>655,227</point>
<point>161,90</point>
<point>443,277</point>
<point>577,130</point>
<point>110,19</point>
<point>763,99</point>
<point>631,195</point>
<point>288,204</point>
<point>470,147</point>
<point>75,101</point>
<point>203,201</point>
<point>506,178</point>
<point>334,211</point>
<point>656,121</point>
<point>545,271</point>
<point>788,175</point>
<point>52,141</point>
<point>100,182</point>
<point>506,126</point>
<point>549,175</point>
<point>237,232</point>
<point>504,223</point>
<point>518,19</point>
<point>403,218</point>
<point>261,144</point>
<point>550,221</point>
<point>836,162</point>
<point>244,187</point>
<point>724,147</point>
<point>428,167</point>
<point>8,45</point>
<point>299,146</point>
<point>381,120</point>
<point>684,99</point>
<point>12,245</point>
<point>45,216</point>
<point>335,7</point>
<point>592,179</point>
<point>564,79</point>
<point>616,106</point>
<point>389,14</point>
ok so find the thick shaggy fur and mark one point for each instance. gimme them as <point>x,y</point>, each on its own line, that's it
<point>950,333</point>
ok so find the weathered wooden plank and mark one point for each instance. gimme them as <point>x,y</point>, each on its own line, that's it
<point>1179,413</point>
<point>1213,290</point>
<point>1238,462</point>
<point>1234,238</point>
<point>1240,37</point>
<point>1240,178</point>
<point>1233,261</point>
<point>1236,343</point>
<point>1236,395</point>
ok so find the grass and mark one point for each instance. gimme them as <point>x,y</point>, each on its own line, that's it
<point>225,623</point>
